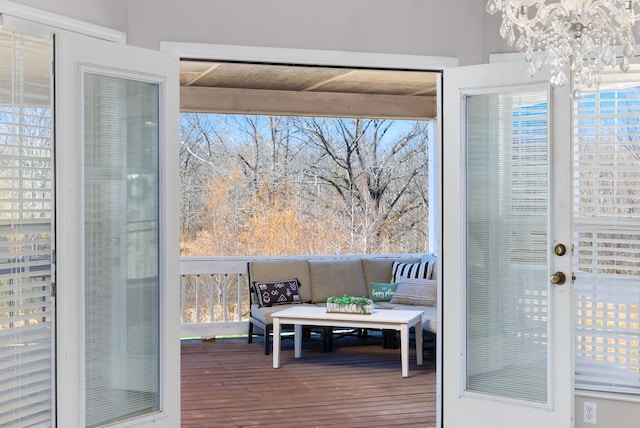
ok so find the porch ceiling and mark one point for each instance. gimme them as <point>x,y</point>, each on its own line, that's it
<point>237,87</point>
<point>307,78</point>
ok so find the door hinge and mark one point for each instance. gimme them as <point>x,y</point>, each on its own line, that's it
<point>53,272</point>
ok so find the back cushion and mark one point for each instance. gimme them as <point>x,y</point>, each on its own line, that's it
<point>377,270</point>
<point>278,270</point>
<point>336,278</point>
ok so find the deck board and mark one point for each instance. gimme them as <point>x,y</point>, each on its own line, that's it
<point>230,383</point>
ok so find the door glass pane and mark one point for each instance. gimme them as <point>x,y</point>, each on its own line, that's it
<point>121,248</point>
<point>507,219</point>
<point>26,177</point>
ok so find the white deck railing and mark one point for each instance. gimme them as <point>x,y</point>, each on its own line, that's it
<point>214,293</point>
<point>214,299</point>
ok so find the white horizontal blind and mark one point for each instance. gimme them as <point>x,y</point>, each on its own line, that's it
<point>507,244</point>
<point>607,238</point>
<point>121,248</point>
<point>26,325</point>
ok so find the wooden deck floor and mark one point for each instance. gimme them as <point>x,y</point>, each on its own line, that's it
<point>230,383</point>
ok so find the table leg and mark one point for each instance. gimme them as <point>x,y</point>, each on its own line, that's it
<point>418,328</point>
<point>297,340</point>
<point>404,349</point>
<point>276,342</point>
<point>327,339</point>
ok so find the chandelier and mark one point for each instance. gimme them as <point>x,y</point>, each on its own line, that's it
<point>581,33</point>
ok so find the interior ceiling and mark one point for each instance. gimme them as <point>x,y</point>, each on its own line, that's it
<point>294,78</point>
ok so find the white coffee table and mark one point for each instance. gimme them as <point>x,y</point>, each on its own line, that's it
<point>400,320</point>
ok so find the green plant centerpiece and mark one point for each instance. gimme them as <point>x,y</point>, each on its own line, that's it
<point>350,304</point>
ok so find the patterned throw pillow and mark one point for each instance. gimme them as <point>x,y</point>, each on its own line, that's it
<point>382,291</point>
<point>418,292</point>
<point>277,292</point>
<point>411,270</point>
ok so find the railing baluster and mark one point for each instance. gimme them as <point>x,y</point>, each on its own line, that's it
<point>225,309</point>
<point>197,299</point>
<point>212,307</point>
<point>239,302</point>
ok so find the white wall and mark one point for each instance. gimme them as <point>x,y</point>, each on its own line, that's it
<point>454,28</point>
<point>421,27</point>
<point>492,42</point>
<point>106,13</point>
<point>609,413</point>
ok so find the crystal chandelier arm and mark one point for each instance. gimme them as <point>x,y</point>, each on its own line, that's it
<point>615,17</point>
<point>542,12</point>
<point>537,25</point>
<point>615,12</point>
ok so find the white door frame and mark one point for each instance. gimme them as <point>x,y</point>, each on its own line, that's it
<point>307,56</point>
<point>359,59</point>
<point>330,58</point>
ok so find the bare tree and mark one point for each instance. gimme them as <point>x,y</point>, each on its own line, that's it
<point>335,185</point>
<point>377,170</point>
<point>200,145</point>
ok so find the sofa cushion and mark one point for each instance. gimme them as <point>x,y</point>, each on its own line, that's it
<point>430,319</point>
<point>382,291</point>
<point>416,291</point>
<point>429,314</point>
<point>377,270</point>
<point>411,270</point>
<point>336,278</point>
<point>276,270</point>
<point>277,292</point>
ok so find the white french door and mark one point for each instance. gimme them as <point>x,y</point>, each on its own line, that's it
<point>117,245</point>
<point>27,298</point>
<point>507,328</point>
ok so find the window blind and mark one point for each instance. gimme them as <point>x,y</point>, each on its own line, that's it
<point>607,237</point>
<point>121,248</point>
<point>26,325</point>
<point>507,188</point>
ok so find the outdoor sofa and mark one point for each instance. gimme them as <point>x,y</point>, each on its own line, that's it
<point>275,284</point>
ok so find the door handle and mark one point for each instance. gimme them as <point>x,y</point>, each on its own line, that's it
<point>558,278</point>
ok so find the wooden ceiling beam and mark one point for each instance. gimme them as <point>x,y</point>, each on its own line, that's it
<point>289,103</point>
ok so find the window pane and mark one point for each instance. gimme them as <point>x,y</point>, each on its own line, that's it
<point>26,306</point>
<point>121,248</point>
<point>507,244</point>
<point>607,235</point>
